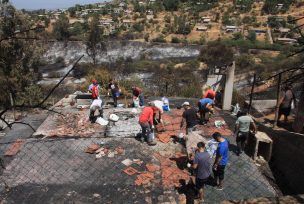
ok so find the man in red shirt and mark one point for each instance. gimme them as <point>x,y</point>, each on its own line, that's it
<point>146,123</point>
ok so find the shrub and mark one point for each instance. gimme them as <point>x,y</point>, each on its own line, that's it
<point>175,40</point>
<point>160,39</point>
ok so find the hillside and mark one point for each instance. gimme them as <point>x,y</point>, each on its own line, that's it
<point>179,21</point>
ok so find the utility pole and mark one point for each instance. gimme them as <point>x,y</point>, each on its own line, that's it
<point>251,93</point>
<point>278,98</point>
<point>13,105</point>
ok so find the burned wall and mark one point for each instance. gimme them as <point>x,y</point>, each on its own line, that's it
<point>287,162</point>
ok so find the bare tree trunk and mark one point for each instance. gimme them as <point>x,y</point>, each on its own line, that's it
<point>299,120</point>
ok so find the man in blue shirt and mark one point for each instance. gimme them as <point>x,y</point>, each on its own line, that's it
<point>221,159</point>
<point>205,106</point>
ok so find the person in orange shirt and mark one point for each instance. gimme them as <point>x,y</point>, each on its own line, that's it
<point>146,123</point>
<point>208,93</point>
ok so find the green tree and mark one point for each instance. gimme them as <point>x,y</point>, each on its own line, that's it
<point>171,5</point>
<point>95,42</point>
<point>251,36</point>
<point>72,12</point>
<point>61,28</point>
<point>19,56</point>
<point>238,36</point>
<point>216,54</point>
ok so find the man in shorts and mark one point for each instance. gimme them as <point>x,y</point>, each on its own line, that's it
<point>202,163</point>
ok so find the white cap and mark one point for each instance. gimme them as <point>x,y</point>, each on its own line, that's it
<point>186,103</point>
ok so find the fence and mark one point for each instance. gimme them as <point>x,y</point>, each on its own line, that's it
<point>58,170</point>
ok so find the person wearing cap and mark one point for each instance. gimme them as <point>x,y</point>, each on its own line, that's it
<point>158,108</point>
<point>94,89</point>
<point>146,123</point>
<point>190,117</point>
<point>205,106</point>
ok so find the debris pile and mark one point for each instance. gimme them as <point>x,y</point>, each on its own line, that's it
<point>214,126</point>
<point>14,148</point>
<point>104,151</point>
<point>170,173</point>
<point>69,124</point>
<point>126,126</point>
<point>171,126</point>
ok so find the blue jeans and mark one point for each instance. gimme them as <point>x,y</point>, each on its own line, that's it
<point>141,99</point>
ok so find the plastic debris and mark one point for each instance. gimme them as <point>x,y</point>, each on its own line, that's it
<point>102,121</point>
<point>114,117</point>
<point>219,123</point>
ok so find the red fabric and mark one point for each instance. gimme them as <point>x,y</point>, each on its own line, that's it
<point>146,115</point>
<point>137,91</point>
<point>209,94</point>
<point>94,92</point>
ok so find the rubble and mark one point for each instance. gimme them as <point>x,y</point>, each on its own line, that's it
<point>92,148</point>
<point>127,162</point>
<point>144,178</point>
<point>126,126</point>
<point>152,167</point>
<point>130,171</point>
<point>14,148</point>
<point>71,123</point>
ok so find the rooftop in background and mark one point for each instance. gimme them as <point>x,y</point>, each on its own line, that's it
<point>50,4</point>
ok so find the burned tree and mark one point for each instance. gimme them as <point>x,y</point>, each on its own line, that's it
<point>95,42</point>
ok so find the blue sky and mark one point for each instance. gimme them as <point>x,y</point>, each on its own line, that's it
<point>49,4</point>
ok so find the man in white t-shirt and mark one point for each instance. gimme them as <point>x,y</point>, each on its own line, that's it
<point>96,105</point>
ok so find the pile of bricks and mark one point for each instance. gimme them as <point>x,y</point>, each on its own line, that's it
<point>209,129</point>
<point>171,126</point>
<point>170,173</point>
<point>72,124</point>
<point>14,148</point>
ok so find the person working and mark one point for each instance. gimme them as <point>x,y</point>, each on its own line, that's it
<point>208,93</point>
<point>205,106</point>
<point>94,89</point>
<point>285,103</point>
<point>190,117</point>
<point>96,105</point>
<point>158,108</point>
<point>221,159</point>
<point>166,106</point>
<point>242,128</point>
<point>146,123</point>
<point>202,163</point>
<point>113,88</point>
<point>138,94</point>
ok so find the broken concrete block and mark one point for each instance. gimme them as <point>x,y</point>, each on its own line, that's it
<point>127,162</point>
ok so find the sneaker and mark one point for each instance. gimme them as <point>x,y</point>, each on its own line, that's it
<point>152,143</point>
<point>220,188</point>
